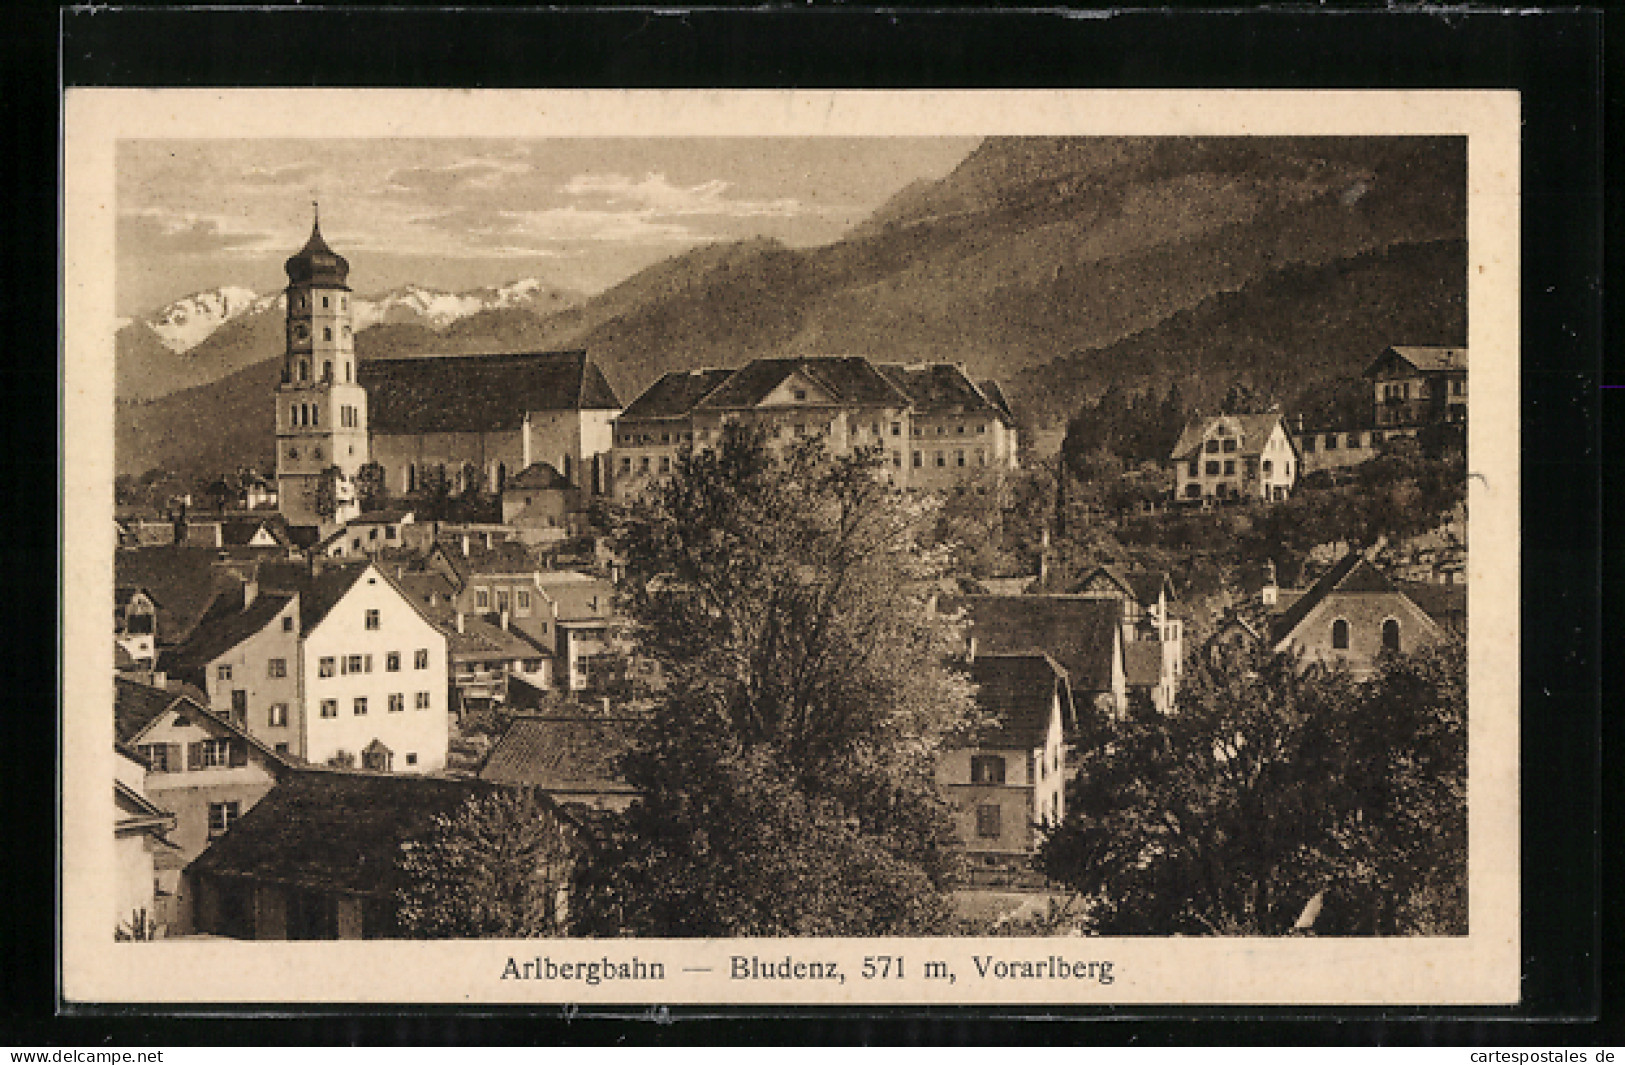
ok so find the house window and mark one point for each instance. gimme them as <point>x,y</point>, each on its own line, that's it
<point>897,428</point>
<point>392,662</point>
<point>324,667</point>
<point>276,667</point>
<point>988,822</point>
<point>420,660</point>
<point>360,708</point>
<point>1193,490</point>
<point>278,717</point>
<point>522,599</point>
<point>942,460</point>
<point>239,702</point>
<point>411,758</point>
<point>1213,468</point>
<point>1269,467</point>
<point>959,458</point>
<point>1331,441</point>
<point>1390,635</point>
<point>1340,635</point>
<point>482,599</point>
<point>1194,468</point>
<point>157,756</point>
<point>1229,445</point>
<point>372,616</point>
<point>897,459</point>
<point>626,465</point>
<point>1229,467</point>
<point>282,748</point>
<point>352,663</point>
<point>287,624</point>
<point>1212,447</point>
<point>918,460</point>
<point>986,769</point>
<point>801,394</point>
<point>1308,445</point>
<point>222,815</point>
<point>665,463</point>
<point>397,702</point>
<point>330,708</point>
<point>214,754</point>
<point>378,759</point>
<point>223,673</point>
<point>421,701</point>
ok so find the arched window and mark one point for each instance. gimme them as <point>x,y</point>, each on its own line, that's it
<point>1340,635</point>
<point>1390,635</point>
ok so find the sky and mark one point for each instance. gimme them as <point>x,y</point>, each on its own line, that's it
<point>461,214</point>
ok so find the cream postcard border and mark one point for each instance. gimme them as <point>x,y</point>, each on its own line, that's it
<point>1481,968</point>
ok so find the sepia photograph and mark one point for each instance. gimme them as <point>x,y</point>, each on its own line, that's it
<point>791,547</point>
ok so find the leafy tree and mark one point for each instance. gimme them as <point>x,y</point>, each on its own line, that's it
<point>495,869</point>
<point>786,775</point>
<point>326,491</point>
<point>1274,786</point>
<point>371,491</point>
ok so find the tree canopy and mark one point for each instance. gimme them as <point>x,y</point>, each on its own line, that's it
<point>1274,787</point>
<point>786,774</point>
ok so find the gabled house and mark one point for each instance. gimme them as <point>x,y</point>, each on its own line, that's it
<point>135,625</point>
<point>1348,617</point>
<point>574,759</point>
<point>319,663</point>
<point>958,428</point>
<point>1417,386</point>
<point>1083,635</point>
<point>368,534</point>
<point>319,856</point>
<point>141,848</point>
<point>1234,456</point>
<point>202,770</point>
<point>1008,782</point>
<point>1153,638</point>
<point>542,505</point>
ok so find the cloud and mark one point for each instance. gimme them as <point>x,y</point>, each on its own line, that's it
<point>479,172</point>
<point>158,230</point>
<point>654,194</point>
<point>491,227</point>
<point>287,174</point>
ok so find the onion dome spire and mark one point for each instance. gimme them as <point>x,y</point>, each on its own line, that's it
<point>316,263</point>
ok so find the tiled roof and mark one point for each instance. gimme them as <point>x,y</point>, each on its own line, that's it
<point>135,705</point>
<point>1020,689</point>
<point>432,592</point>
<point>479,393</point>
<point>504,556</point>
<point>850,379</point>
<point>1079,633</point>
<point>381,517</point>
<point>1424,359</point>
<point>225,625</point>
<point>538,476</point>
<point>563,754</point>
<point>995,395</point>
<point>937,388</point>
<point>335,830</point>
<point>1444,603</point>
<point>482,640</point>
<point>181,579</point>
<point>675,394</point>
<point>580,596</point>
<point>1351,574</point>
<point>1255,433</point>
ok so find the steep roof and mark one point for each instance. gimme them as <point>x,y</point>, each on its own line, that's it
<point>1144,585</point>
<point>225,625</point>
<point>538,476</point>
<point>1444,603</point>
<point>675,394</point>
<point>563,754</point>
<point>848,378</point>
<point>1350,574</point>
<point>1255,433</point>
<point>1422,359</point>
<point>136,706</point>
<point>335,830</point>
<point>473,393</point>
<point>316,263</point>
<point>181,579</point>
<point>1020,689</point>
<point>940,388</point>
<point>1079,633</point>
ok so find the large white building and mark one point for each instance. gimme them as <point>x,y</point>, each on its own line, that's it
<point>337,665</point>
<point>419,418</point>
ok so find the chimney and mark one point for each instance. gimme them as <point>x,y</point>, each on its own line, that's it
<point>460,624</point>
<point>251,592</point>
<point>1043,559</point>
<point>931,605</point>
<point>970,652</point>
<point>465,545</point>
<point>160,679</point>
<point>488,539</point>
<point>400,571</point>
<point>502,619</point>
<point>1269,594</point>
<point>606,706</point>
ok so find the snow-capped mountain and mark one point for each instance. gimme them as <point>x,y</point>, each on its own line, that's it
<point>190,320</point>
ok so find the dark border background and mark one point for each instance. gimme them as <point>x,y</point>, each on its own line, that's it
<point>1556,59</point>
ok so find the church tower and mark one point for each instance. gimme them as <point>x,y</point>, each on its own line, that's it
<point>321,409</point>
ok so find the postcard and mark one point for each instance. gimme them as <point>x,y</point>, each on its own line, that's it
<point>832,548</point>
